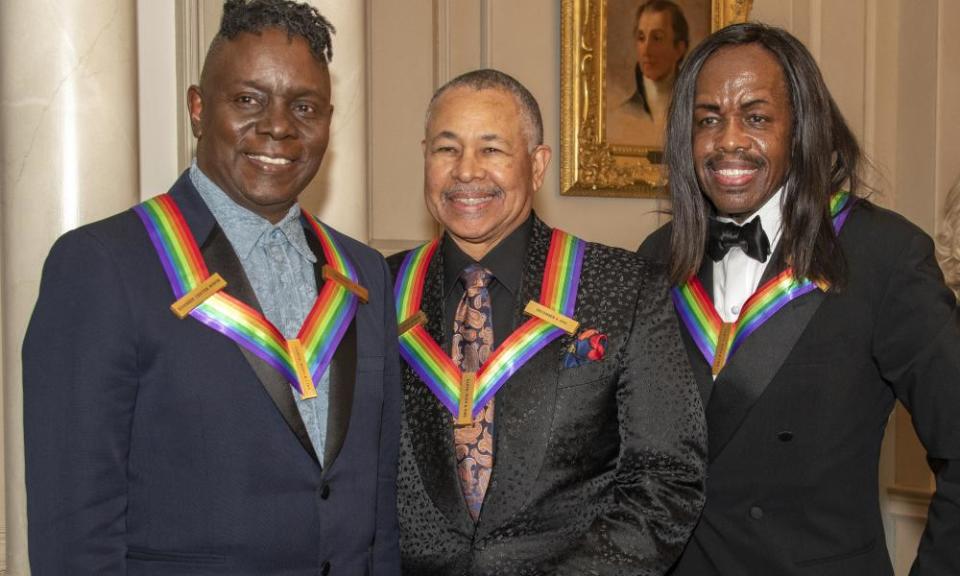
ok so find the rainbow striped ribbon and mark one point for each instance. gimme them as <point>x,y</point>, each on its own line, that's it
<point>321,332</point>
<point>558,292</point>
<point>717,340</point>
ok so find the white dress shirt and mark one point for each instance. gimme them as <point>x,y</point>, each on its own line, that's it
<point>736,277</point>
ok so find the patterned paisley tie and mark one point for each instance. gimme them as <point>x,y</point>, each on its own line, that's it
<point>472,344</point>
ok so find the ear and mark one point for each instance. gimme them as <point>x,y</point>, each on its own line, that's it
<point>195,109</point>
<point>423,148</point>
<point>540,159</point>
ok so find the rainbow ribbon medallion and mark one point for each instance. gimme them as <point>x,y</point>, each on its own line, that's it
<point>303,360</point>
<point>558,293</point>
<point>717,340</point>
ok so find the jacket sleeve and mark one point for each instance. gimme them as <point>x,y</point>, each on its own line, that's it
<point>917,347</point>
<point>79,389</point>
<point>386,548</point>
<point>659,488</point>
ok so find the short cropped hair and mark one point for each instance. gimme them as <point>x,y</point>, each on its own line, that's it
<point>297,19</point>
<point>490,79</point>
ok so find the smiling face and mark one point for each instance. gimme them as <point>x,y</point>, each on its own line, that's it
<point>262,119</point>
<point>479,172</point>
<point>742,129</point>
<point>658,51</point>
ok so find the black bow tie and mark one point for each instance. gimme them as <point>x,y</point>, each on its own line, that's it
<point>749,237</point>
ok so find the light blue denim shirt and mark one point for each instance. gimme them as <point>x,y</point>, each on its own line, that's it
<point>279,265</point>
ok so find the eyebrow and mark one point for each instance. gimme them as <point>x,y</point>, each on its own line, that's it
<point>745,105</point>
<point>447,134</point>
<point>294,91</point>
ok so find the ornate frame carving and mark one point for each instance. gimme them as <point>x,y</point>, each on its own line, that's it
<point>589,166</point>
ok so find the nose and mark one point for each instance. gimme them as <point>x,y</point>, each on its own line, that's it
<point>469,167</point>
<point>276,121</point>
<point>732,137</point>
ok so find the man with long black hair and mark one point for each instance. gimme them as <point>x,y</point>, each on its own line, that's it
<point>808,311</point>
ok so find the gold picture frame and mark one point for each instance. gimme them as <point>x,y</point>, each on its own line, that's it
<point>590,165</point>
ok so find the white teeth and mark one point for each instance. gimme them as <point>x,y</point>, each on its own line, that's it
<point>269,160</point>
<point>734,173</point>
<point>472,201</point>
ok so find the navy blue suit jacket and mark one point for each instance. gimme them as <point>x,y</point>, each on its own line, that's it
<point>158,446</point>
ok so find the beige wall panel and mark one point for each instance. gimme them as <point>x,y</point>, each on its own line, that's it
<point>774,12</point>
<point>917,114</point>
<point>460,31</point>
<point>843,57</point>
<point>401,82</point>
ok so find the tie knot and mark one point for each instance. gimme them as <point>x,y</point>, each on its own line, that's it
<point>475,276</point>
<point>750,238</point>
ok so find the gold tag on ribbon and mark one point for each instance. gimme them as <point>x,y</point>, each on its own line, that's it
<point>468,382</point>
<point>307,389</point>
<point>330,274</point>
<point>213,284</point>
<point>538,310</point>
<point>723,344</point>
<point>412,322</point>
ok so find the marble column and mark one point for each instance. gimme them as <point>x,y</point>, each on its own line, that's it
<point>339,192</point>
<point>68,147</point>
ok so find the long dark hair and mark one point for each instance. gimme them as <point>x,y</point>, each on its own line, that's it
<point>824,156</point>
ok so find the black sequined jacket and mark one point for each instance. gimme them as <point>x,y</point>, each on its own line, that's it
<point>598,468</point>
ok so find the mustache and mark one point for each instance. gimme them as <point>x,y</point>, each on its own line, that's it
<point>472,190</point>
<point>739,156</point>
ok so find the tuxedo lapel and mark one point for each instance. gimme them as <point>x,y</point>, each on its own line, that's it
<point>343,372</point>
<point>431,431</point>
<point>524,405</point>
<point>220,258</point>
<point>749,371</point>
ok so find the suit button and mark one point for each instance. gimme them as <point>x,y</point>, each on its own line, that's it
<point>756,512</point>
<point>325,569</point>
<point>785,436</point>
<point>325,492</point>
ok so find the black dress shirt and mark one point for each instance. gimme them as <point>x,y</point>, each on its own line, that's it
<point>505,262</point>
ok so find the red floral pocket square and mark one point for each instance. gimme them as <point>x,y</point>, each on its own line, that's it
<point>590,345</point>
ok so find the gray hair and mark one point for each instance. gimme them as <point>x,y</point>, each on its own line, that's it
<point>490,79</point>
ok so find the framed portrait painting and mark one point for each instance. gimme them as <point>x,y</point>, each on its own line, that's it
<point>619,60</point>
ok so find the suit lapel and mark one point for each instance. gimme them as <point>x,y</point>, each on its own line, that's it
<point>220,257</point>
<point>431,432</point>
<point>524,406</point>
<point>343,373</point>
<point>747,374</point>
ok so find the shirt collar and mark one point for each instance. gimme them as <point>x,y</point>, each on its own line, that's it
<point>505,261</point>
<point>242,227</point>
<point>771,218</point>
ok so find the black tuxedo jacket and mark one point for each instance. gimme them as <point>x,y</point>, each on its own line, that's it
<point>796,417</point>
<point>159,446</point>
<point>598,469</point>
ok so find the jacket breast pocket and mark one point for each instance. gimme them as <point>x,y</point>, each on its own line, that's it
<point>583,375</point>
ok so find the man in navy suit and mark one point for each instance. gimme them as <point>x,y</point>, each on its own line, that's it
<point>159,445</point>
<point>807,312</point>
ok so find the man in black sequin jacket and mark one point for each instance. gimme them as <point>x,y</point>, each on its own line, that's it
<point>592,456</point>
